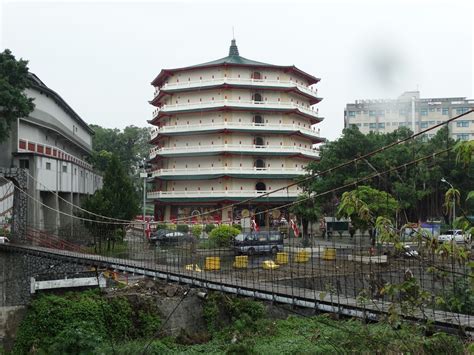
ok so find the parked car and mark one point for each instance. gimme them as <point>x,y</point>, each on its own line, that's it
<point>167,236</point>
<point>455,235</point>
<point>251,243</point>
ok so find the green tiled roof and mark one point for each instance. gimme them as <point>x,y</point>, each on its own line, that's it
<point>233,58</point>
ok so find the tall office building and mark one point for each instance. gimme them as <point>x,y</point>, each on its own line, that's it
<point>229,130</point>
<point>411,111</point>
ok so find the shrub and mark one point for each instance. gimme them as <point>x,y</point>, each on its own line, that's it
<point>161,226</point>
<point>223,235</point>
<point>184,228</point>
<point>209,227</point>
<point>240,314</point>
<point>196,230</point>
<point>460,298</point>
<point>77,322</point>
<point>76,338</point>
<point>238,226</point>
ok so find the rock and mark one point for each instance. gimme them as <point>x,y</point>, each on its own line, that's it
<point>170,290</point>
<point>150,284</point>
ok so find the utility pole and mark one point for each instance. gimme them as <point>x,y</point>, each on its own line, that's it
<point>144,175</point>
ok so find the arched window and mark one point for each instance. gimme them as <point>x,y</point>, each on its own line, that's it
<point>256,75</point>
<point>259,142</point>
<point>258,120</point>
<point>260,186</point>
<point>257,97</point>
<point>260,164</point>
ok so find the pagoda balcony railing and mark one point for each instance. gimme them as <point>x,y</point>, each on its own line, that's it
<point>251,104</point>
<point>227,170</point>
<point>233,148</point>
<point>222,193</point>
<point>259,83</point>
<point>269,127</point>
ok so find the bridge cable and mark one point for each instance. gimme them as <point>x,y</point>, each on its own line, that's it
<point>339,166</point>
<point>308,178</point>
<point>145,349</point>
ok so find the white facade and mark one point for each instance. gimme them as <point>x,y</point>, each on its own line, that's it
<point>53,143</point>
<point>229,130</point>
<point>409,110</point>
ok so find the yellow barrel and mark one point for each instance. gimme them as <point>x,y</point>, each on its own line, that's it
<point>302,256</point>
<point>212,263</point>
<point>329,254</point>
<point>270,265</point>
<point>282,258</point>
<point>241,262</point>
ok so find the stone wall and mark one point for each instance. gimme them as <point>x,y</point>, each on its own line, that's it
<point>16,269</point>
<point>20,201</point>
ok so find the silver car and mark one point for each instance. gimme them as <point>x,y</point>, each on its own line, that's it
<point>454,235</point>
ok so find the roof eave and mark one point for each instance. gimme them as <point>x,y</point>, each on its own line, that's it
<point>166,72</point>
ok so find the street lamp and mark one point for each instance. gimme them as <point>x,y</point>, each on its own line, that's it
<point>454,198</point>
<point>144,175</point>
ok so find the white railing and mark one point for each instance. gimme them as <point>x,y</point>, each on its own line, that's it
<point>226,170</point>
<point>276,105</point>
<point>221,193</point>
<point>235,125</point>
<point>239,81</point>
<point>235,148</point>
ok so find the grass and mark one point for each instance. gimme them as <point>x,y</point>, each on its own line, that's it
<point>120,250</point>
<point>207,244</point>
<point>316,335</point>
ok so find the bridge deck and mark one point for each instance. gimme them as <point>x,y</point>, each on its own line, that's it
<point>266,290</point>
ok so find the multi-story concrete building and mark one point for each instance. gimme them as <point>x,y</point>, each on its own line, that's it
<point>413,112</point>
<point>230,130</point>
<point>53,143</point>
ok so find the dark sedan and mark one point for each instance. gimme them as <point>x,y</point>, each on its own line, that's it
<point>167,236</point>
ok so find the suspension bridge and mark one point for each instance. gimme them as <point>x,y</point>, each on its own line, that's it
<point>345,277</point>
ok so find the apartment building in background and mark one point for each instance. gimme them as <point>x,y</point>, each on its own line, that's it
<point>414,112</point>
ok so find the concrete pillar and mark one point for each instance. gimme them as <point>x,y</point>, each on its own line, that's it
<point>167,213</point>
<point>76,199</point>
<point>66,207</point>
<point>51,214</point>
<point>227,217</point>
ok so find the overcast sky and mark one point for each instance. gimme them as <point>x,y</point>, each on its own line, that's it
<point>101,57</point>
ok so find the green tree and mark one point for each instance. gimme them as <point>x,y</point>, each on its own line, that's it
<point>416,187</point>
<point>364,205</point>
<point>131,146</point>
<point>13,101</point>
<point>307,211</point>
<point>223,235</point>
<point>117,199</point>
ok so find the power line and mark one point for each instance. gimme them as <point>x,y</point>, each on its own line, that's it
<point>64,213</point>
<point>166,321</point>
<point>76,206</point>
<point>358,181</point>
<point>342,165</point>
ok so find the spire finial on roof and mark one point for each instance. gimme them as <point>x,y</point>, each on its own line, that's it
<point>233,50</point>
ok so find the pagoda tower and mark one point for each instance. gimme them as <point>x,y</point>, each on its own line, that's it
<point>229,130</point>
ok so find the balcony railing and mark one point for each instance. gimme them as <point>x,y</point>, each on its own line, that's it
<point>232,148</point>
<point>235,126</point>
<point>227,170</point>
<point>28,146</point>
<point>222,193</point>
<point>287,84</point>
<point>255,105</point>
